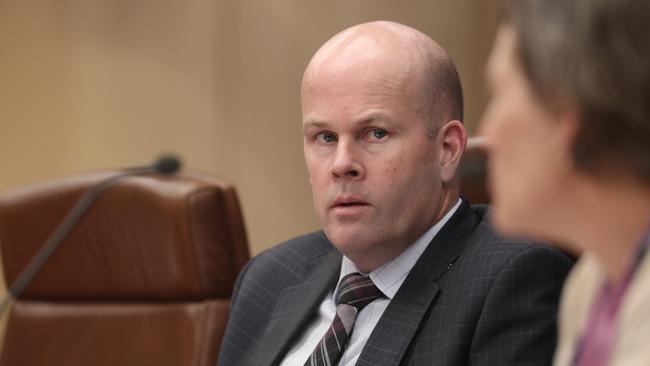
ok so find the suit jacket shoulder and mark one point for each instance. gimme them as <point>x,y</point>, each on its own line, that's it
<point>275,295</point>
<point>285,262</point>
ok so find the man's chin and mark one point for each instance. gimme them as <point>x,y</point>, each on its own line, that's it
<point>350,240</point>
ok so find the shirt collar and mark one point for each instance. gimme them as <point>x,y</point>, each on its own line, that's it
<point>389,277</point>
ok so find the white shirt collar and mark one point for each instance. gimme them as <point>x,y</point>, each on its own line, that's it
<point>389,277</point>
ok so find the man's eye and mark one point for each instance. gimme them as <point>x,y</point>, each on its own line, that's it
<point>378,133</point>
<point>326,137</point>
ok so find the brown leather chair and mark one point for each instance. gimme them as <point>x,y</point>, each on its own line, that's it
<point>144,279</point>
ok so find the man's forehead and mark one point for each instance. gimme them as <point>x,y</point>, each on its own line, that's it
<point>350,56</point>
<point>362,73</point>
<point>357,84</point>
<point>359,79</point>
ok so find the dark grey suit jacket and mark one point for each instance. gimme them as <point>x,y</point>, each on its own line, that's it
<point>473,298</point>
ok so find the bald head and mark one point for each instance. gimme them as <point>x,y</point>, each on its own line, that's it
<point>396,56</point>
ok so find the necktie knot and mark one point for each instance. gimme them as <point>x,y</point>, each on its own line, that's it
<point>357,290</point>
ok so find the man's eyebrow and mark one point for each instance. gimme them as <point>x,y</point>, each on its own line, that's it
<point>372,117</point>
<point>310,123</point>
<point>365,119</point>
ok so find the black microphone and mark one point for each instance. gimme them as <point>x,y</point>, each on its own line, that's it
<point>167,165</point>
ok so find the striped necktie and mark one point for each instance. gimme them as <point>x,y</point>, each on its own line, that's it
<point>355,292</point>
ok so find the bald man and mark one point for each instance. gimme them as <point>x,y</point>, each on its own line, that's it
<point>405,271</point>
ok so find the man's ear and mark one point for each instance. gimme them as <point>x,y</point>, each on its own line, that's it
<point>452,137</point>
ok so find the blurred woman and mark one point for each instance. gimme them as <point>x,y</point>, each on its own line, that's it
<point>568,137</point>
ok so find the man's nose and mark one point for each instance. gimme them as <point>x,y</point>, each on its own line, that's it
<point>347,162</point>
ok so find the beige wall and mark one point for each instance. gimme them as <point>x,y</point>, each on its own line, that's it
<point>96,84</point>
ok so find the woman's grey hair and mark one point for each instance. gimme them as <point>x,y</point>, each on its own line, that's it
<point>595,55</point>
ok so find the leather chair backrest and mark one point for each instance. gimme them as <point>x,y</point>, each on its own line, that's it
<point>144,279</point>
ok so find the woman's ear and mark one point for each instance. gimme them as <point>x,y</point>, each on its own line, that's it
<point>566,133</point>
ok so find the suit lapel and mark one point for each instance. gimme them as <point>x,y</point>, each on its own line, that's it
<point>395,330</point>
<point>296,305</point>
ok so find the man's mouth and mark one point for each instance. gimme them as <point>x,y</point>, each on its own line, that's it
<point>349,202</point>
